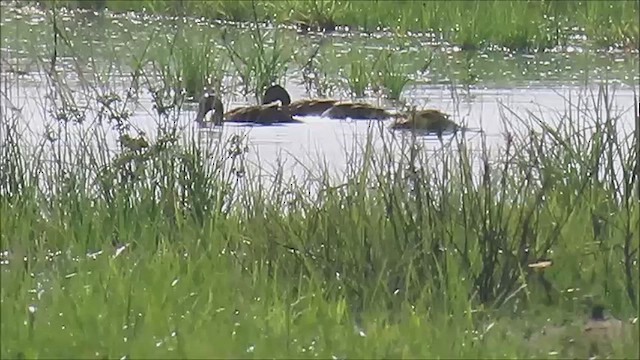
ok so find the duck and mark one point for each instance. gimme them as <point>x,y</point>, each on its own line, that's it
<point>329,108</point>
<point>599,328</point>
<point>361,111</point>
<point>265,114</point>
<point>302,107</point>
<point>311,107</point>
<point>429,121</point>
<point>602,334</point>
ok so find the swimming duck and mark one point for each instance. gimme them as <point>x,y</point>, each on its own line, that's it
<point>362,111</point>
<point>270,113</point>
<point>430,121</point>
<point>330,108</point>
<point>311,107</point>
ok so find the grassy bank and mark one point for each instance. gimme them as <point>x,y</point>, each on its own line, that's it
<point>159,250</point>
<point>517,25</point>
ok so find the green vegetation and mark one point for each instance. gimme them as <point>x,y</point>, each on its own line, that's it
<point>196,67</point>
<point>383,71</point>
<point>189,55</point>
<point>157,251</point>
<point>392,75</point>
<point>260,59</point>
<point>517,25</point>
<point>358,74</point>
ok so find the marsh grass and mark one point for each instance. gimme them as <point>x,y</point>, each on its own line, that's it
<point>258,62</point>
<point>320,14</point>
<point>608,24</point>
<point>519,26</point>
<point>504,25</point>
<point>392,74</point>
<point>314,64</point>
<point>181,67</point>
<point>358,78</point>
<point>197,63</point>
<point>358,73</point>
<point>200,48</point>
<point>261,59</point>
<point>228,10</point>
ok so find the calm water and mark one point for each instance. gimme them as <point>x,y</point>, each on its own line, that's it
<point>476,89</point>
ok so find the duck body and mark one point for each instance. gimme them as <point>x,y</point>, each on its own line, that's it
<point>302,107</point>
<point>266,114</point>
<point>260,114</point>
<point>329,108</point>
<point>311,107</point>
<point>599,328</point>
<point>360,111</point>
<point>430,121</point>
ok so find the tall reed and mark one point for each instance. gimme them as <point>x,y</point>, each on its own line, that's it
<point>260,60</point>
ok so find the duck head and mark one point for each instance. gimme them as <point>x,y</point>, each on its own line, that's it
<point>207,103</point>
<point>597,312</point>
<point>276,93</point>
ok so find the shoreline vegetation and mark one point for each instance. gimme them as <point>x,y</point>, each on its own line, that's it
<point>515,25</point>
<point>167,249</point>
<point>119,244</point>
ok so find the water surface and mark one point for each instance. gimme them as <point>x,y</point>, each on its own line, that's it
<point>493,90</point>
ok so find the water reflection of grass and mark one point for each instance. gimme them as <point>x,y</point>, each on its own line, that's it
<point>178,249</point>
<point>513,24</point>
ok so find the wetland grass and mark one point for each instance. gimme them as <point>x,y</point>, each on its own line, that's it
<point>189,53</point>
<point>187,65</point>
<point>391,74</point>
<point>315,68</point>
<point>358,72</point>
<point>517,25</point>
<point>197,64</point>
<point>261,59</point>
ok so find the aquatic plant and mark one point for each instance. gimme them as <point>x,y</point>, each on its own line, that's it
<point>261,59</point>
<point>358,72</point>
<point>314,63</point>
<point>198,63</point>
<point>516,25</point>
<point>319,14</point>
<point>392,73</point>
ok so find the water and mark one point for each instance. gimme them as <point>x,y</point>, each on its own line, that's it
<point>480,90</point>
